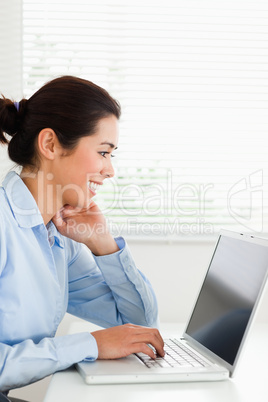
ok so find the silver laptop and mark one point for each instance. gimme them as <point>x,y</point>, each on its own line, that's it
<point>214,337</point>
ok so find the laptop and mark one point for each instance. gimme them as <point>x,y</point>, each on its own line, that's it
<point>214,337</point>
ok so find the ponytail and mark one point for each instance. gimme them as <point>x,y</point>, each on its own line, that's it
<point>8,119</point>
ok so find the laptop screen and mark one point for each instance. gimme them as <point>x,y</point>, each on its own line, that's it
<point>228,295</point>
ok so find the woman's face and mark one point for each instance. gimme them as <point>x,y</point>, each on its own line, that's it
<point>78,175</point>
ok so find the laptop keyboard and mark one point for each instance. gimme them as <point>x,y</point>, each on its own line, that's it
<point>177,355</point>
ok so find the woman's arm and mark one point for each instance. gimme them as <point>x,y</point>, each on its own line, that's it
<point>26,362</point>
<point>110,290</point>
<point>114,291</point>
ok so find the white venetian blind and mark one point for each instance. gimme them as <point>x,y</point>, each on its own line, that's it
<point>192,79</point>
<point>10,62</point>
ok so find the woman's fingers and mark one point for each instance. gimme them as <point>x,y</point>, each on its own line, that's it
<point>57,220</point>
<point>143,348</point>
<point>126,339</point>
<point>149,336</point>
<point>69,211</point>
<point>152,339</point>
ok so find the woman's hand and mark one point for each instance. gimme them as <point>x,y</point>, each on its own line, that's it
<point>124,340</point>
<point>87,226</point>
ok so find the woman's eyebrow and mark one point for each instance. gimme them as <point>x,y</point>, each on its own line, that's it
<point>110,144</point>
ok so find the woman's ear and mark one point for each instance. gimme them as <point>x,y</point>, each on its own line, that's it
<point>47,143</point>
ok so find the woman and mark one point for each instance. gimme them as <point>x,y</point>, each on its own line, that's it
<point>56,253</point>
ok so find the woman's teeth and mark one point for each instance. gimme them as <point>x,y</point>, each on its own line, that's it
<point>93,186</point>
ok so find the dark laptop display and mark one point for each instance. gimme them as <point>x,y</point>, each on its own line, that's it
<point>228,295</point>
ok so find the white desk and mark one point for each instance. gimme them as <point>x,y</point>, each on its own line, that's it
<point>249,384</point>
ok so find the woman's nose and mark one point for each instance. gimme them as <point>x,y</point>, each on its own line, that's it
<point>108,170</point>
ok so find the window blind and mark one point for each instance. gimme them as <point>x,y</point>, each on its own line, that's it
<point>10,62</point>
<point>192,80</point>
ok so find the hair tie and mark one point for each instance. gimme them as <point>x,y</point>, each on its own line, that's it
<point>17,105</point>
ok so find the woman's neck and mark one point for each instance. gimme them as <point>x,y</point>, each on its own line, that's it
<point>43,190</point>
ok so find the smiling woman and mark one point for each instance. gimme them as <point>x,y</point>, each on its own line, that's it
<point>55,247</point>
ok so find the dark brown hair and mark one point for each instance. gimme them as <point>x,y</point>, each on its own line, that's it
<point>70,106</point>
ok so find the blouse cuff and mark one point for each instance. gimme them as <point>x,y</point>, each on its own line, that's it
<point>120,242</point>
<point>119,267</point>
<point>76,347</point>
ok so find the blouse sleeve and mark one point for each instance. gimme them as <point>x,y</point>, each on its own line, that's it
<point>26,362</point>
<point>109,290</point>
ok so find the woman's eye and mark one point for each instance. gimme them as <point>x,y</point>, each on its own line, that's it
<point>104,153</point>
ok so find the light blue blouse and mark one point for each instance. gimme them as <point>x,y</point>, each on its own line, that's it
<point>43,275</point>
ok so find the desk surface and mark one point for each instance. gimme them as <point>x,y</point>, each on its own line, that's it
<point>249,384</point>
